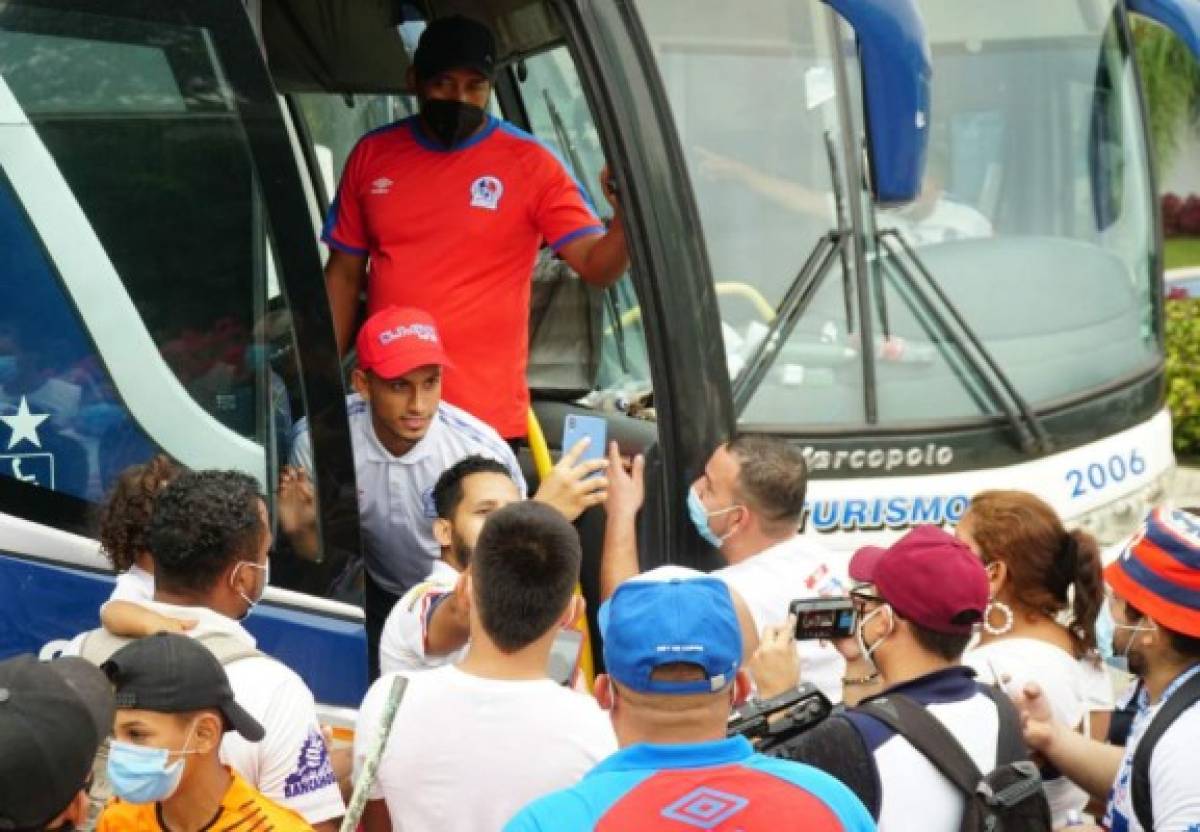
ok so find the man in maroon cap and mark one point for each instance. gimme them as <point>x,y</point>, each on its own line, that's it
<point>403,437</point>
<point>918,603</point>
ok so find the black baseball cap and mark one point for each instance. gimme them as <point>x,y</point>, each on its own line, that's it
<point>452,43</point>
<point>174,674</point>
<point>53,717</point>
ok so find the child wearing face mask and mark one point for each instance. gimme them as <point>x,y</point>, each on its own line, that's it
<point>174,704</point>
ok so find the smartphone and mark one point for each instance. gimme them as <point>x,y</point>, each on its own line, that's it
<point>578,426</point>
<point>823,618</point>
<point>564,656</point>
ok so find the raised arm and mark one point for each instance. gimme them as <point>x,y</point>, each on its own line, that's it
<point>626,492</point>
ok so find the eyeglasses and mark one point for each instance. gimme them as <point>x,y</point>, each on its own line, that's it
<point>862,599</point>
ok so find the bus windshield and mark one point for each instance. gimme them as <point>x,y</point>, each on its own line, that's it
<point>1035,219</point>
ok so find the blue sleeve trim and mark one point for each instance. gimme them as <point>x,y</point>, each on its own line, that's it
<point>333,243</point>
<point>586,231</point>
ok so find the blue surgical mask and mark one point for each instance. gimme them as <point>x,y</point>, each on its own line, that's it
<point>140,774</point>
<point>1106,629</point>
<point>699,516</point>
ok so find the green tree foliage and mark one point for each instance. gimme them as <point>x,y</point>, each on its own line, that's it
<point>1183,380</point>
<point>1171,79</point>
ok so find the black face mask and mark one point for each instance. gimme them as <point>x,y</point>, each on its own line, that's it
<point>451,121</point>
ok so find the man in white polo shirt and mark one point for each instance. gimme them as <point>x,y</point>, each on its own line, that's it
<point>209,536</point>
<point>403,437</point>
<point>747,503</point>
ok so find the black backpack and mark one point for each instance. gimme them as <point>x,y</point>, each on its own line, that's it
<point>1139,788</point>
<point>1008,798</point>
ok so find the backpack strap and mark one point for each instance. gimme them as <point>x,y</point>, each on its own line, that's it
<point>99,645</point>
<point>929,736</point>
<point>1182,699</point>
<point>228,648</point>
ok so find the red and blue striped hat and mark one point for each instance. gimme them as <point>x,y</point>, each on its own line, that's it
<point>1159,571</point>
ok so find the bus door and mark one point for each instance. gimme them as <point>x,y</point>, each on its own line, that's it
<point>161,291</point>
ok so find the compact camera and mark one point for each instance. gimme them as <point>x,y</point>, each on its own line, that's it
<point>823,618</point>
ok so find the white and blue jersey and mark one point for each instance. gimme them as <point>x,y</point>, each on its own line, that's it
<point>720,785</point>
<point>395,493</point>
<point>1174,786</point>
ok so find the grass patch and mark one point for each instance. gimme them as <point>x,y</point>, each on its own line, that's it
<point>1182,252</point>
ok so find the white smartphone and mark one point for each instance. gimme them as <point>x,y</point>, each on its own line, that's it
<point>564,656</point>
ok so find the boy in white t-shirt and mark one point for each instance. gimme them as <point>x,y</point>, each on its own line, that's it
<point>475,741</point>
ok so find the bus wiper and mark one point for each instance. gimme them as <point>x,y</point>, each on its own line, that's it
<point>610,293</point>
<point>1030,432</point>
<point>799,294</point>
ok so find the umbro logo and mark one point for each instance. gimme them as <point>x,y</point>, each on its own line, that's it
<point>382,185</point>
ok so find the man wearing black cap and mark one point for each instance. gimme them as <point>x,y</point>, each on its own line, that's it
<point>53,717</point>
<point>449,208</point>
<point>174,705</point>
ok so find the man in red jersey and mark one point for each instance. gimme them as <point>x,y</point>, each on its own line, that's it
<point>446,210</point>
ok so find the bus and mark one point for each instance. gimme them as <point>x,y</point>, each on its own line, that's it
<point>918,238</point>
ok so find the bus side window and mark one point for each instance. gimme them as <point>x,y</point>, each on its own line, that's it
<point>141,308</point>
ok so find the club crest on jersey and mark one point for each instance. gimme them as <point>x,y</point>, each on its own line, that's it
<point>486,192</point>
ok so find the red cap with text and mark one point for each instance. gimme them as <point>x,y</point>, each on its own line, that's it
<point>928,577</point>
<point>399,339</point>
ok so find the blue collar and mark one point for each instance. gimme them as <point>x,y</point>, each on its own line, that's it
<point>426,141</point>
<point>1143,697</point>
<point>951,684</point>
<point>643,756</point>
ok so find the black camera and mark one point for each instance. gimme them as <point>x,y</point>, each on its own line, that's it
<point>772,724</point>
<point>824,618</point>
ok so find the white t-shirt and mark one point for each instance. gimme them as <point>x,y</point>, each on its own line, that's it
<point>290,764</point>
<point>402,643</point>
<point>135,586</point>
<point>1174,784</point>
<point>769,581</point>
<point>395,493</point>
<point>465,753</point>
<point>1073,687</point>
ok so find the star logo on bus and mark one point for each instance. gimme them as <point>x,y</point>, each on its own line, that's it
<point>24,425</point>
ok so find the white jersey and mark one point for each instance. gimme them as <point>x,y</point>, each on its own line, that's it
<point>395,493</point>
<point>466,753</point>
<point>1072,686</point>
<point>135,586</point>
<point>769,581</point>
<point>402,643</point>
<point>1174,786</point>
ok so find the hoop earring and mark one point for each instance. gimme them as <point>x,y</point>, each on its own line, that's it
<point>1005,610</point>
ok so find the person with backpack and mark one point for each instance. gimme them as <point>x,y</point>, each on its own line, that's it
<point>1151,783</point>
<point>935,749</point>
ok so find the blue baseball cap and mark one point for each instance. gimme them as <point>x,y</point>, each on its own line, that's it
<point>650,623</point>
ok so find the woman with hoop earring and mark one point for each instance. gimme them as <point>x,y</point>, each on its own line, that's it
<point>1046,591</point>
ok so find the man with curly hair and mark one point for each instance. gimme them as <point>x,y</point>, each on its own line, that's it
<point>209,536</point>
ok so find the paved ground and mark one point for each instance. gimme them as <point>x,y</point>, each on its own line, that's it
<point>1185,490</point>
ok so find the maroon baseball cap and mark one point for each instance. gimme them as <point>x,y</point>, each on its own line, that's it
<point>928,577</point>
<point>399,339</point>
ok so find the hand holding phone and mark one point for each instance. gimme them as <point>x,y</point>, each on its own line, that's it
<point>824,618</point>
<point>593,428</point>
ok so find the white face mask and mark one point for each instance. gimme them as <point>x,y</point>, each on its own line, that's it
<point>868,653</point>
<point>250,603</point>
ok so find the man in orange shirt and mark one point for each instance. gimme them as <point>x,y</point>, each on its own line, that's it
<point>448,208</point>
<point>174,705</point>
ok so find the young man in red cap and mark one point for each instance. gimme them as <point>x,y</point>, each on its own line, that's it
<point>404,436</point>
<point>448,209</point>
<point>1151,784</point>
<point>918,603</point>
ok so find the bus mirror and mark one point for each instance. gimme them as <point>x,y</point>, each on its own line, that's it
<point>896,69</point>
<point>1180,16</point>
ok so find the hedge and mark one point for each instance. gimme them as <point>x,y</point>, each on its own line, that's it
<point>1183,373</point>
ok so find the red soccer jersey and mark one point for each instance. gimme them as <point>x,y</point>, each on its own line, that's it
<point>456,233</point>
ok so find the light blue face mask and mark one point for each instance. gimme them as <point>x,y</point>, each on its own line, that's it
<point>699,516</point>
<point>140,774</point>
<point>1106,630</point>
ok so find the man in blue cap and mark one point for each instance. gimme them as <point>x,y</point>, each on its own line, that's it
<point>673,651</point>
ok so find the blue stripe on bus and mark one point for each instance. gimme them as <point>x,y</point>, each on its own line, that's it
<point>42,602</point>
